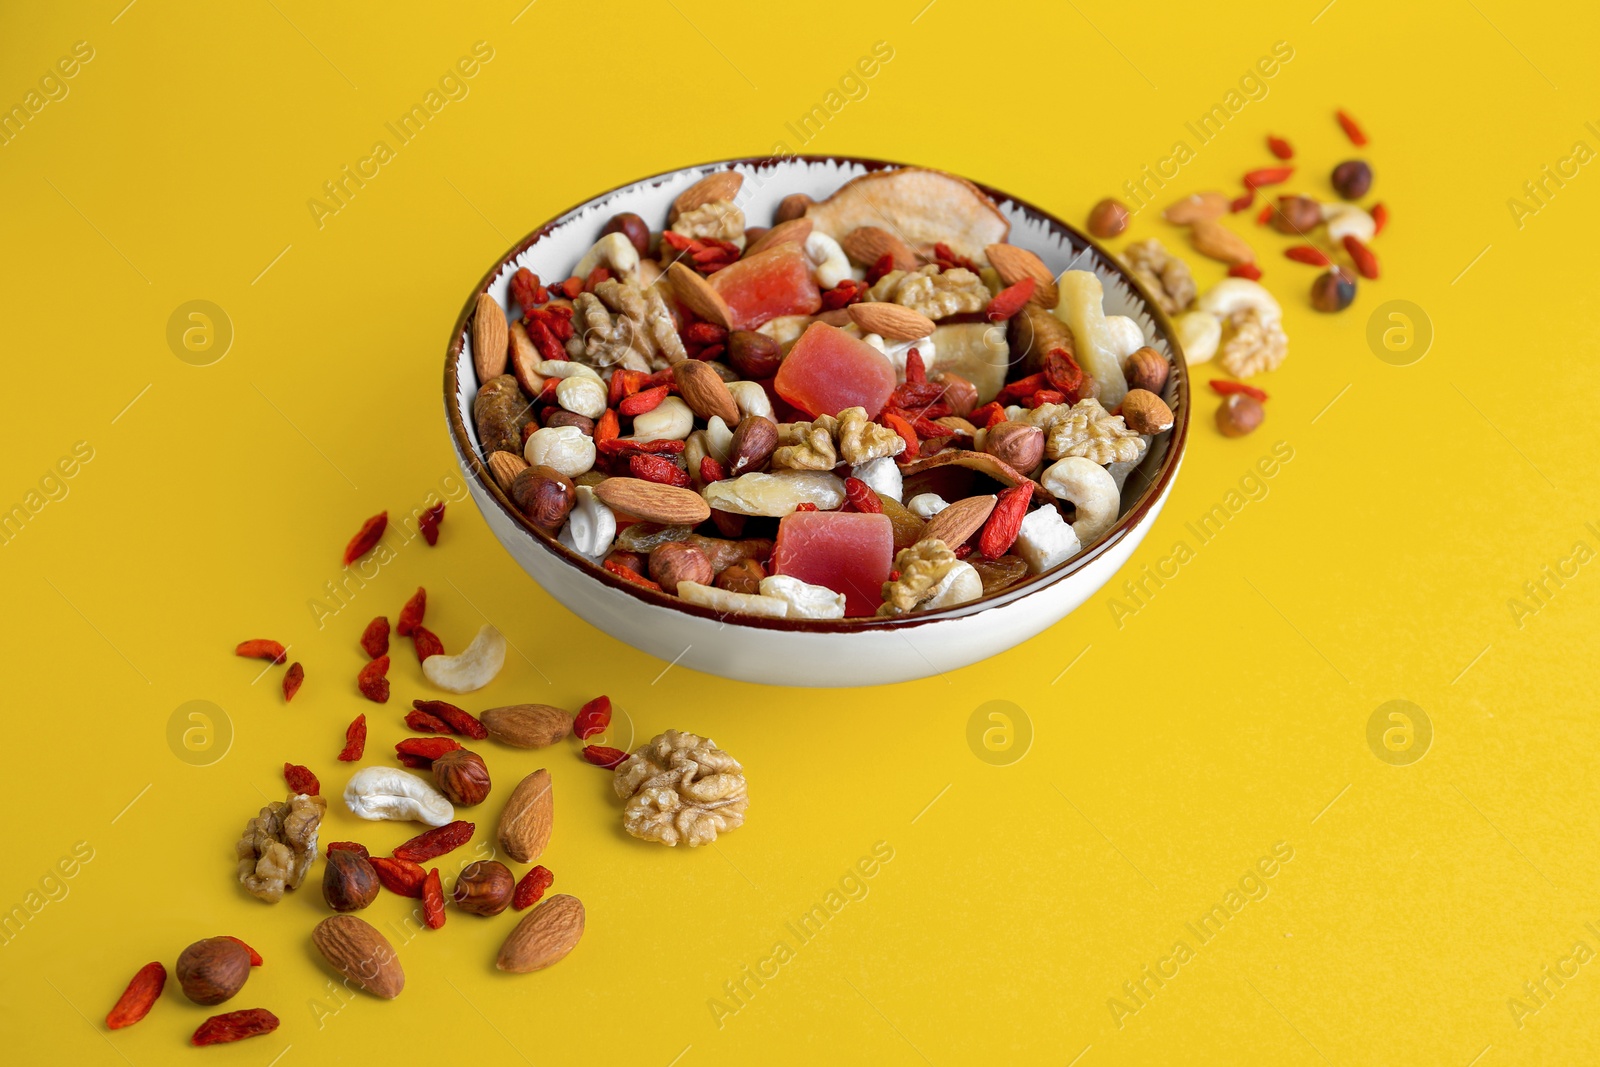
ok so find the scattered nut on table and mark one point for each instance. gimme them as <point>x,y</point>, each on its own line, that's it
<point>681,787</point>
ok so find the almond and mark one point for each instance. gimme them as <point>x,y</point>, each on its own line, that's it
<point>698,296</point>
<point>527,725</point>
<point>505,466</point>
<point>654,502</point>
<point>1014,264</point>
<point>868,244</point>
<point>1216,241</point>
<point>795,231</point>
<point>489,338</point>
<point>893,322</point>
<point>528,816</point>
<point>721,185</point>
<point>524,360</point>
<point>705,392</point>
<point>354,948</point>
<point>544,936</point>
<point>959,521</point>
<point>1144,412</point>
<point>1196,206</point>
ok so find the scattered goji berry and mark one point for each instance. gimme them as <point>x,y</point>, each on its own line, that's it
<point>234,1026</point>
<point>436,842</point>
<point>343,846</point>
<point>1365,261</point>
<point>602,756</point>
<point>592,718</point>
<point>1265,215</point>
<point>570,288</point>
<point>142,993</point>
<point>1022,387</point>
<point>711,469</point>
<point>1064,374</point>
<point>1307,254</point>
<point>416,763</point>
<point>401,877</point>
<point>1245,270</point>
<point>1000,531</point>
<point>1279,147</point>
<point>916,370</point>
<point>429,523</point>
<point>255,957</point>
<point>1244,200</point>
<point>293,680</point>
<point>422,722</point>
<point>658,469</point>
<point>881,266</point>
<point>426,748</point>
<point>861,497</point>
<point>1255,179</point>
<point>1380,216</point>
<point>301,780</point>
<point>375,638</point>
<point>1351,130</point>
<point>411,614</point>
<point>639,403</point>
<point>460,722</point>
<point>532,887</point>
<point>1010,300</point>
<point>371,681</point>
<point>907,434</point>
<point>607,429</point>
<point>526,290</point>
<point>426,642</point>
<point>805,505</point>
<point>633,576</point>
<point>432,900</point>
<point>1223,387</point>
<point>355,736</point>
<point>261,648</point>
<point>366,537</point>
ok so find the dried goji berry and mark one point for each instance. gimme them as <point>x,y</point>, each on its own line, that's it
<point>704,333</point>
<point>592,718</point>
<point>532,887</point>
<point>1351,130</point>
<point>366,537</point>
<point>601,756</point>
<point>1255,179</point>
<point>1223,387</point>
<point>658,469</point>
<point>301,780</point>
<point>633,576</point>
<point>1380,216</point>
<point>907,434</point>
<point>1365,261</point>
<point>846,293</point>
<point>607,429</point>
<point>235,1026</point>
<point>526,290</point>
<point>861,497</point>
<point>255,957</point>
<point>422,722</point>
<point>547,395</point>
<point>883,265</point>
<point>1279,147</point>
<point>1265,216</point>
<point>1022,387</point>
<point>1010,300</point>
<point>432,900</point>
<point>344,846</point>
<point>570,288</point>
<point>426,748</point>
<point>805,505</point>
<point>916,370</point>
<point>401,877</point>
<point>1307,254</point>
<point>375,638</point>
<point>596,276</point>
<point>623,383</point>
<point>1045,396</point>
<point>545,341</point>
<point>641,402</point>
<point>915,396</point>
<point>947,259</point>
<point>711,469</point>
<point>426,642</point>
<point>261,648</point>
<point>293,680</point>
<point>143,992</point>
<point>355,737</point>
<point>620,447</point>
<point>1064,374</point>
<point>982,415</point>
<point>416,763</point>
<point>411,614</point>
<point>1244,200</point>
<point>1245,270</point>
<point>429,523</point>
<point>436,842</point>
<point>371,681</point>
<point>460,722</point>
<point>1000,531</point>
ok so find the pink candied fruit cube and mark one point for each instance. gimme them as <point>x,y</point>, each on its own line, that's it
<point>848,552</point>
<point>827,371</point>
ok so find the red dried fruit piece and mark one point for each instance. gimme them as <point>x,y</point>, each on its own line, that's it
<point>1022,388</point>
<point>846,293</point>
<point>261,648</point>
<point>416,763</point>
<point>1010,300</point>
<point>411,614</point>
<point>1223,387</point>
<point>366,537</point>
<point>371,681</point>
<point>602,756</point>
<point>907,434</point>
<point>596,276</point>
<point>355,737</point>
<point>945,256</point>
<point>1265,215</point>
<point>347,846</point>
<point>1351,130</point>
<point>592,718</point>
<point>633,576</point>
<point>429,523</point>
<point>375,638</point>
<point>607,429</point>
<point>981,416</point>
<point>641,402</point>
<point>619,447</point>
<point>401,877</point>
<point>1255,179</point>
<point>143,992</point>
<point>460,722</point>
<point>432,900</point>
<point>861,497</point>
<point>711,469</point>
<point>427,749</point>
<point>422,722</point>
<point>1239,203</point>
<point>293,680</point>
<point>1380,217</point>
<point>623,383</point>
<point>255,957</point>
<point>301,780</point>
<point>1307,254</point>
<point>884,264</point>
<point>1366,263</point>
<point>1005,521</point>
<point>1064,374</point>
<point>436,842</point>
<point>571,287</point>
<point>526,290</point>
<point>426,642</point>
<point>545,341</point>
<point>704,333</point>
<point>1245,270</point>
<point>805,505</point>
<point>532,887</point>
<point>1279,147</point>
<point>658,469</point>
<point>235,1026</point>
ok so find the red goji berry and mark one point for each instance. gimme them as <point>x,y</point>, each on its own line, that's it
<point>623,383</point>
<point>907,434</point>
<point>884,264</point>
<point>401,877</point>
<point>805,505</point>
<point>431,844</point>
<point>375,638</point>
<point>432,900</point>
<point>293,680</point>
<point>1365,261</point>
<point>916,370</point>
<point>526,290</point>
<point>460,721</point>
<point>1064,374</point>
<point>620,447</point>
<point>641,402</point>
<point>1245,270</point>
<point>1351,130</point>
<point>422,722</point>
<point>947,259</point>
<point>1244,200</point>
<point>544,339</point>
<point>861,497</point>
<point>255,957</point>
<point>1380,217</point>
<point>711,469</point>
<point>845,293</point>
<point>658,469</point>
<point>1265,215</point>
<point>631,575</point>
<point>261,648</point>
<point>592,718</point>
<point>426,748</point>
<point>1010,300</point>
<point>1307,254</point>
<point>355,736</point>
<point>607,429</point>
<point>704,333</point>
<point>1043,397</point>
<point>1022,387</point>
<point>1279,147</point>
<point>301,780</point>
<point>601,756</point>
<point>980,416</point>
<point>140,996</point>
<point>570,288</point>
<point>1255,179</point>
<point>366,537</point>
<point>1223,387</point>
<point>429,523</point>
<point>234,1026</point>
<point>426,642</point>
<point>371,681</point>
<point>1005,521</point>
<point>416,763</point>
<point>532,887</point>
<point>411,614</point>
<point>596,276</point>
<point>341,846</point>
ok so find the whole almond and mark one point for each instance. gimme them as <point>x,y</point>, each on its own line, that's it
<point>505,466</point>
<point>1216,241</point>
<point>1196,206</point>
<point>721,185</point>
<point>868,244</point>
<point>524,360</point>
<point>489,338</point>
<point>1144,412</point>
<point>698,296</point>
<point>1014,264</point>
<point>705,392</point>
<point>1147,369</point>
<point>653,501</point>
<point>528,816</point>
<point>892,322</point>
<point>792,206</point>
<point>959,521</point>
<point>544,936</point>
<point>527,725</point>
<point>795,231</point>
<point>354,948</point>
<point>754,440</point>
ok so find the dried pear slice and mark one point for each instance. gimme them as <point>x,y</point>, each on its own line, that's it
<point>1082,308</point>
<point>921,206</point>
<point>981,462</point>
<point>975,350</point>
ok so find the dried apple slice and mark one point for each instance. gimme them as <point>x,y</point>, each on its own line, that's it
<point>981,462</point>
<point>920,206</point>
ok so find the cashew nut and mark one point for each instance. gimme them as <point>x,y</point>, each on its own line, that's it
<point>1199,334</point>
<point>615,252</point>
<point>567,368</point>
<point>898,350</point>
<point>473,667</point>
<point>829,264</point>
<point>670,420</point>
<point>806,601</point>
<point>564,449</point>
<point>1089,487</point>
<point>1235,294</point>
<point>582,395</point>
<point>750,399</point>
<point>1124,336</point>
<point>375,793</point>
<point>590,526</point>
<point>926,505</point>
<point>960,584</point>
<point>882,475</point>
<point>718,438</point>
<point>1348,220</point>
<point>726,600</point>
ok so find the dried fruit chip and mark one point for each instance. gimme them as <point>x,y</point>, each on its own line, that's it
<point>411,614</point>
<point>601,756</point>
<point>261,648</point>
<point>145,989</point>
<point>366,537</point>
<point>235,1026</point>
<point>432,900</point>
<point>375,638</point>
<point>436,842</point>
<point>422,722</point>
<point>374,686</point>
<point>301,780</point>
<point>355,737</point>
<point>426,748</point>
<point>532,887</point>
<point>293,681</point>
<point>592,718</point>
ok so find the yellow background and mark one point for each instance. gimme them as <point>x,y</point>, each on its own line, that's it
<point>1167,755</point>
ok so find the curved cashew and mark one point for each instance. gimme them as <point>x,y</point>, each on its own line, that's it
<point>567,368</point>
<point>564,449</point>
<point>828,261</point>
<point>1348,220</point>
<point>882,475</point>
<point>898,350</point>
<point>671,420</point>
<point>718,438</point>
<point>1089,487</point>
<point>1235,294</point>
<point>582,395</point>
<point>750,399</point>
<point>472,668</point>
<point>727,600</point>
<point>960,584</point>
<point>375,793</point>
<point>926,505</point>
<point>806,601</point>
<point>614,251</point>
<point>1124,336</point>
<point>590,525</point>
<point>1199,334</point>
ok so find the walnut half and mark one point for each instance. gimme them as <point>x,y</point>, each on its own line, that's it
<point>681,787</point>
<point>279,846</point>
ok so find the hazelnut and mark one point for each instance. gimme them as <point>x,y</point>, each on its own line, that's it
<point>1108,218</point>
<point>754,440</point>
<point>1352,178</point>
<point>1239,414</point>
<point>1296,215</point>
<point>348,881</point>
<point>562,417</point>
<point>676,562</point>
<point>1148,369</point>
<point>544,495</point>
<point>754,355</point>
<point>727,523</point>
<point>1016,444</point>
<point>1144,412</point>
<point>633,228</point>
<point>484,888</point>
<point>631,560</point>
<point>213,970</point>
<point>462,776</point>
<point>793,206</point>
<point>1333,290</point>
<point>742,577</point>
<point>959,393</point>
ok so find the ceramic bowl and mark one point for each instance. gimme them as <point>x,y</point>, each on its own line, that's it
<point>798,652</point>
